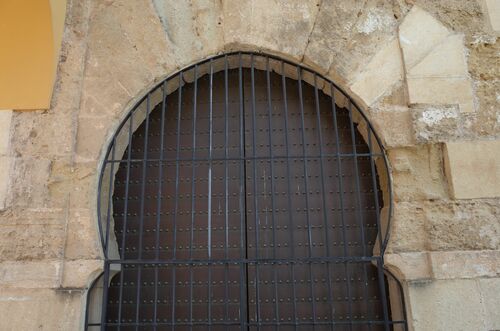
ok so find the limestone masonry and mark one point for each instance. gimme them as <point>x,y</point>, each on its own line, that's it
<point>425,72</point>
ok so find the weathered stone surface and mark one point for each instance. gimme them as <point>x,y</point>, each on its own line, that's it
<point>491,301</point>
<point>82,241</point>
<point>5,166</point>
<point>347,34</point>
<point>193,28</point>
<point>30,274</point>
<point>408,231</point>
<point>447,59</point>
<point>493,13</point>
<point>395,126</point>
<point>92,133</point>
<point>52,219</point>
<point>445,225</point>
<point>67,88</point>
<point>5,120</point>
<point>423,266</point>
<point>41,309</point>
<point>418,173</point>
<point>123,35</point>
<point>441,305</point>
<point>383,71</point>
<point>435,62</point>
<point>473,169</point>
<point>438,123</point>
<point>26,241</point>
<point>409,266</point>
<point>275,26</point>
<point>28,188</point>
<point>465,264</point>
<point>47,134</point>
<point>80,273</point>
<point>419,33</point>
<point>442,91</point>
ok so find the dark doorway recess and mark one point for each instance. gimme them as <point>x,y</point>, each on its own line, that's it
<point>244,200</point>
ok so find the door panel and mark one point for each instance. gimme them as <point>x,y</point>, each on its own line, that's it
<point>243,220</point>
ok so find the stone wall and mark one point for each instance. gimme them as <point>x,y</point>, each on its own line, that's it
<point>424,71</point>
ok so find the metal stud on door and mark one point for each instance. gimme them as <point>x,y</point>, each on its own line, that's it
<point>245,199</point>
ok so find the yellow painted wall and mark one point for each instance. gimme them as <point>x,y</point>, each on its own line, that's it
<point>30,38</point>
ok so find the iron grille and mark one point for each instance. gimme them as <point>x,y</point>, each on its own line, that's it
<point>244,193</point>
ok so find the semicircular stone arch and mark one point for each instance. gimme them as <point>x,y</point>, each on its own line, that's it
<point>259,174</point>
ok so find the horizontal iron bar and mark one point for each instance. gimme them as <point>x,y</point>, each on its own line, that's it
<point>247,158</point>
<point>344,259</point>
<point>284,323</point>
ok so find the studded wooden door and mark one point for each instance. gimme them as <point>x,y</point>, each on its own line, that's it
<point>246,200</point>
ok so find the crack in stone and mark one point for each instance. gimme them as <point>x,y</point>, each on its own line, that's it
<point>320,5</point>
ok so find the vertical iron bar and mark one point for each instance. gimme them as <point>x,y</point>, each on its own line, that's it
<point>141,217</point>
<point>108,223</point>
<point>244,309</point>
<point>176,207</point>
<point>110,198</point>
<point>358,202</point>
<point>159,202</point>
<point>323,195</point>
<point>226,189</point>
<point>375,190</point>
<point>125,216</point>
<point>341,196</point>
<point>209,220</point>
<point>306,188</point>
<point>105,281</point>
<point>193,191</point>
<point>290,215</point>
<point>269,110</point>
<point>256,217</point>
<point>381,283</point>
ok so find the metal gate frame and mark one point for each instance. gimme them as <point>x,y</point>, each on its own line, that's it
<point>255,61</point>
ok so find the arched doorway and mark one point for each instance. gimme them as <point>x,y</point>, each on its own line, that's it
<point>244,193</point>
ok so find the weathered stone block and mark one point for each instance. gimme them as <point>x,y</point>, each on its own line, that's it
<point>138,41</point>
<point>43,134</point>
<point>493,13</point>
<point>83,240</point>
<point>31,242</point>
<point>473,168</point>
<point>490,289</point>
<point>418,173</point>
<point>418,34</point>
<point>383,71</point>
<point>92,132</point>
<point>5,123</point>
<point>79,273</point>
<point>462,226</point>
<point>446,305</point>
<point>430,90</point>
<point>447,59</point>
<point>437,123</point>
<point>408,232</point>
<point>394,126</point>
<point>465,264</point>
<point>275,26</point>
<point>28,188</point>
<point>41,309</point>
<point>5,166</point>
<point>30,274</point>
<point>193,28</point>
